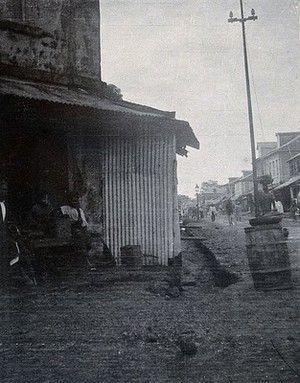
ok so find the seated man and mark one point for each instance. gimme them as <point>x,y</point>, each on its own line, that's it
<point>78,221</point>
<point>80,235</point>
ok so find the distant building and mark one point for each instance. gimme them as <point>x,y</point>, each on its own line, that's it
<point>210,192</point>
<point>285,137</point>
<point>241,189</point>
<point>274,162</point>
<point>264,148</point>
<point>281,164</point>
<point>230,186</point>
<point>280,160</point>
<point>244,185</point>
<point>290,189</point>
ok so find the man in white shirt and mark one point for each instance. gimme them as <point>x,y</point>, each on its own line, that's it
<point>79,228</point>
<point>74,211</point>
<point>78,221</point>
<point>278,206</point>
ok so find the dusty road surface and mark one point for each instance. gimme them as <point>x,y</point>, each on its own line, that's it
<point>124,330</point>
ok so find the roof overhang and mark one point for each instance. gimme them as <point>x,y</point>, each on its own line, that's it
<point>293,158</point>
<point>79,97</point>
<point>220,199</point>
<point>288,183</point>
<point>236,196</point>
<point>242,196</point>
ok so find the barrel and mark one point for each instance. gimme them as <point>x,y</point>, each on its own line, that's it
<point>268,257</point>
<point>131,256</point>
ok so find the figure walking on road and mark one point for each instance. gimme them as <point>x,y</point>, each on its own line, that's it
<point>294,210</point>
<point>229,206</point>
<point>237,213</point>
<point>212,212</point>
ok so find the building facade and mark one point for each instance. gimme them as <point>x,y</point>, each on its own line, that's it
<point>290,190</point>
<point>244,185</point>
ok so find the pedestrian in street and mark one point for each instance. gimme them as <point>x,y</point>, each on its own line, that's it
<point>212,212</point>
<point>278,205</point>
<point>201,212</point>
<point>298,199</point>
<point>237,213</point>
<point>229,207</point>
<point>294,210</point>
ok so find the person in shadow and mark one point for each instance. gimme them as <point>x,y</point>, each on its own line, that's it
<point>15,256</point>
<point>40,218</point>
<point>266,201</point>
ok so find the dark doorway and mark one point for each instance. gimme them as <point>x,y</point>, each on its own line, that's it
<point>36,160</point>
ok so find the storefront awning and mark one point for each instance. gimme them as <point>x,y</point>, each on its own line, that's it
<point>288,183</point>
<point>241,196</point>
<point>235,197</point>
<point>218,200</point>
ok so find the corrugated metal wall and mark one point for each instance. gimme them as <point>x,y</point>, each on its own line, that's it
<point>140,192</point>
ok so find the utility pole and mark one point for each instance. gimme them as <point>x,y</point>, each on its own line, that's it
<point>197,190</point>
<point>250,116</point>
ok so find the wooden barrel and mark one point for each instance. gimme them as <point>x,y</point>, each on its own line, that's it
<point>268,257</point>
<point>131,256</point>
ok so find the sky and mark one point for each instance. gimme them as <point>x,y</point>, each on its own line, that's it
<point>184,56</point>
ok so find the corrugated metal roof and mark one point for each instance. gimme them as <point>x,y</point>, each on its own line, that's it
<point>64,95</point>
<point>80,97</point>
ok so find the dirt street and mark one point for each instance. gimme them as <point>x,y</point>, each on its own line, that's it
<point>124,330</point>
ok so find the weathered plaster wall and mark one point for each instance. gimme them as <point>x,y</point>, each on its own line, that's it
<point>57,40</point>
<point>47,53</point>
